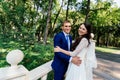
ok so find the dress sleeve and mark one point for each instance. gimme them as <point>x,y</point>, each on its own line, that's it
<point>83,43</point>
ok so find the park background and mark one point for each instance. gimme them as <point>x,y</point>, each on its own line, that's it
<point>30,25</point>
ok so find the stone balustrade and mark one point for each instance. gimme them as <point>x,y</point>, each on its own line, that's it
<point>19,72</point>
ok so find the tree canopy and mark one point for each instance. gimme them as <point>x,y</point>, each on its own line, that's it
<point>32,21</point>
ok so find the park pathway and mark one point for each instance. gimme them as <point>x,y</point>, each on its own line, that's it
<point>108,67</point>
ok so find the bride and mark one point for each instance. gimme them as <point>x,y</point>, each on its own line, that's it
<point>83,47</point>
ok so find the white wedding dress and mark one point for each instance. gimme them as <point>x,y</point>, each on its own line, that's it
<point>87,55</point>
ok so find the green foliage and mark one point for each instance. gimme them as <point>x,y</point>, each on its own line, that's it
<point>50,76</point>
<point>35,54</point>
<point>26,20</point>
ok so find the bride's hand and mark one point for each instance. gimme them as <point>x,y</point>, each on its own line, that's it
<point>57,49</point>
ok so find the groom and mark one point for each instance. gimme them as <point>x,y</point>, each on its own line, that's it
<point>60,62</point>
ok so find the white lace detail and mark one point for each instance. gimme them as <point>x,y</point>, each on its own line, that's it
<point>81,45</point>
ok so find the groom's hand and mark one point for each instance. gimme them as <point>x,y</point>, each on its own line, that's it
<point>76,60</point>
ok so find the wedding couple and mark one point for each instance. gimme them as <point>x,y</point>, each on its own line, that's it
<point>74,61</point>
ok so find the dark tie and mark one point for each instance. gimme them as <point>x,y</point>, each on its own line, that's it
<point>68,41</point>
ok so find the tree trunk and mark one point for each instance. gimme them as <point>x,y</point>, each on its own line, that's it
<point>87,11</point>
<point>58,14</point>
<point>67,11</point>
<point>107,40</point>
<point>48,21</point>
<point>98,37</point>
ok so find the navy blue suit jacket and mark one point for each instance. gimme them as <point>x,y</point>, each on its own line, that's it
<point>61,60</point>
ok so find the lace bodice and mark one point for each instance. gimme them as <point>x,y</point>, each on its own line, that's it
<point>80,49</point>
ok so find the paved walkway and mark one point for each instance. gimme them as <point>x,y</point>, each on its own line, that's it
<point>107,70</point>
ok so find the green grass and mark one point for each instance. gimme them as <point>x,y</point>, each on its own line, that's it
<point>108,53</point>
<point>107,49</point>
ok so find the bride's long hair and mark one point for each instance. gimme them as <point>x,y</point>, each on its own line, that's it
<point>77,40</point>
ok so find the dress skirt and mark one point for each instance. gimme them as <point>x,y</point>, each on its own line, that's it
<point>75,72</point>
